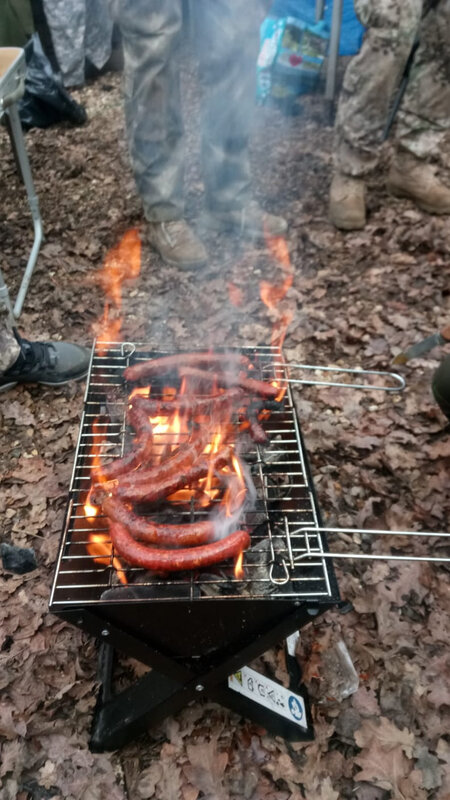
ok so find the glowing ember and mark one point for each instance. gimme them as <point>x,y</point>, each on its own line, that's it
<point>141,391</point>
<point>90,511</point>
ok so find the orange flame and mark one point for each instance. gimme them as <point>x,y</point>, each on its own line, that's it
<point>122,262</point>
<point>272,294</point>
<point>100,548</point>
<point>99,545</point>
<point>238,566</point>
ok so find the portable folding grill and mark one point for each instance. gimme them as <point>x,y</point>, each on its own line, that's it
<point>197,630</point>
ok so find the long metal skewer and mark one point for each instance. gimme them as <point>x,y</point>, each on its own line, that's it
<point>310,552</point>
<point>394,376</point>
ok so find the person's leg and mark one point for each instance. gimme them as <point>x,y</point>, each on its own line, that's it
<point>67,25</point>
<point>9,348</point>
<point>369,86</point>
<point>226,43</point>
<point>47,363</point>
<point>151,39</point>
<point>151,36</point>
<point>421,169</point>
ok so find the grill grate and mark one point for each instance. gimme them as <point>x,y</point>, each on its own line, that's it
<point>285,505</point>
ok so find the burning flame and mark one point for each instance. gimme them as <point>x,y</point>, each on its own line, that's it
<point>122,263</point>
<point>238,566</point>
<point>272,295</point>
<point>99,545</point>
<point>100,548</point>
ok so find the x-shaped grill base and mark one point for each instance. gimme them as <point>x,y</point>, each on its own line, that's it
<point>172,684</point>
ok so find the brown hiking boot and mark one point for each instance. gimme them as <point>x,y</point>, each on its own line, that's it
<point>412,178</point>
<point>177,244</point>
<point>347,208</point>
<point>250,222</point>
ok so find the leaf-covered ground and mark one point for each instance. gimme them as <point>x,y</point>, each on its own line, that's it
<point>379,461</point>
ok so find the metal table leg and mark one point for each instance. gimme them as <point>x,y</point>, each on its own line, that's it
<point>17,133</point>
<point>333,55</point>
<point>320,8</point>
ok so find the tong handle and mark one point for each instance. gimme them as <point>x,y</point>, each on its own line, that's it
<point>398,380</point>
<point>316,553</point>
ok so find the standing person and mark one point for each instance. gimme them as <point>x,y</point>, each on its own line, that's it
<point>46,363</point>
<point>421,164</point>
<point>225,35</point>
<point>80,30</point>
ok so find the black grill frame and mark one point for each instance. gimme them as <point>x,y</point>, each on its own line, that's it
<point>191,640</point>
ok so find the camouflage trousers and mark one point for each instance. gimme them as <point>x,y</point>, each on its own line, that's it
<point>9,349</point>
<point>79,29</point>
<point>373,76</point>
<point>225,40</point>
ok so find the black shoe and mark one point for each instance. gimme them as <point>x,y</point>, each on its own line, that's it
<point>441,386</point>
<point>47,363</point>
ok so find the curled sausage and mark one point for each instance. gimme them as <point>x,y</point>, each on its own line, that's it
<point>145,530</point>
<point>180,462</point>
<point>158,488</point>
<point>135,457</point>
<point>158,366</point>
<point>175,560</point>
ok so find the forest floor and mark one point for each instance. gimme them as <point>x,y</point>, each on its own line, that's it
<point>379,460</point>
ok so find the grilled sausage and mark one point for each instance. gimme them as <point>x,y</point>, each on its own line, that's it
<point>181,461</point>
<point>193,406</point>
<point>145,530</point>
<point>135,457</point>
<point>257,432</point>
<point>158,366</point>
<point>161,487</point>
<point>175,560</point>
<point>249,385</point>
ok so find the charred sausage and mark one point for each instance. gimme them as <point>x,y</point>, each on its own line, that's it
<point>181,461</point>
<point>257,432</point>
<point>145,530</point>
<point>135,457</point>
<point>249,385</point>
<point>158,366</point>
<point>175,560</point>
<point>193,406</point>
<point>161,487</point>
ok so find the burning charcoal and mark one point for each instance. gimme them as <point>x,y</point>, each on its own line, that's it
<point>17,559</point>
<point>216,584</point>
